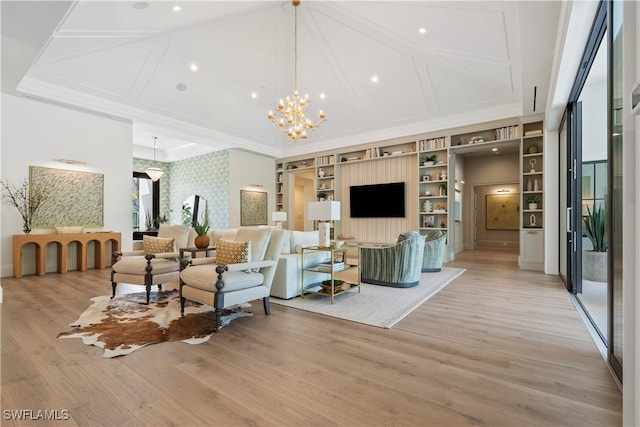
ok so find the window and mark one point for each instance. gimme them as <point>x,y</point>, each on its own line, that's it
<point>145,199</point>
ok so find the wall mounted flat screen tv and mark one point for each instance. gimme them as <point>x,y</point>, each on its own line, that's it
<point>377,200</point>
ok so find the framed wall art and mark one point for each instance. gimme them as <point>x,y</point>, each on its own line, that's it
<point>253,207</point>
<point>75,198</point>
<point>503,211</point>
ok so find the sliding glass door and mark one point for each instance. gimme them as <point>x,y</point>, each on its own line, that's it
<point>591,183</point>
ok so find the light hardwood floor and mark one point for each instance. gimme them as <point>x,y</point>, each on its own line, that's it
<point>496,347</point>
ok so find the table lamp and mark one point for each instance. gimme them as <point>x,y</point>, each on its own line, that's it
<point>324,212</point>
<point>278,217</point>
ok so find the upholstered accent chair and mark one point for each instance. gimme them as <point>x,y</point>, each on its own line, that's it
<point>434,243</point>
<point>398,265</point>
<point>156,263</point>
<point>242,271</point>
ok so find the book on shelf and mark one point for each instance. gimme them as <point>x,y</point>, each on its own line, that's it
<point>326,266</point>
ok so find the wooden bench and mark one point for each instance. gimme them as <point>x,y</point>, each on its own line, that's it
<point>63,240</point>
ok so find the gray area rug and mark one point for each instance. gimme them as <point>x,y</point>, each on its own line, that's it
<point>380,306</point>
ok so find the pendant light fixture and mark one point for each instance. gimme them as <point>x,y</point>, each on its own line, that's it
<point>289,115</point>
<point>154,171</point>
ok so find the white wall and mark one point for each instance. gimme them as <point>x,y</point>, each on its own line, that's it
<point>35,134</point>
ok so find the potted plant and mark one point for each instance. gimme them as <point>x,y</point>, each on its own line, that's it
<point>430,160</point>
<point>594,261</point>
<point>533,200</point>
<point>202,239</point>
<point>322,196</point>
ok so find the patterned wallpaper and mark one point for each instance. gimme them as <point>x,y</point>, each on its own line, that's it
<point>139,165</point>
<point>206,176</point>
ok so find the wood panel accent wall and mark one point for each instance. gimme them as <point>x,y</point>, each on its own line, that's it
<point>392,169</point>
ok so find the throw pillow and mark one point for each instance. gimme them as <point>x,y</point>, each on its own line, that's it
<point>156,245</point>
<point>230,252</point>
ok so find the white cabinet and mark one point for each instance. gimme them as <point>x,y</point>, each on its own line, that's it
<point>532,249</point>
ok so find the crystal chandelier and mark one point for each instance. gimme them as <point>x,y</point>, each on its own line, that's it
<point>289,115</point>
<point>154,172</point>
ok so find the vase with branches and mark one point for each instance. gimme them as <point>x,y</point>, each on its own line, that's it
<point>25,199</point>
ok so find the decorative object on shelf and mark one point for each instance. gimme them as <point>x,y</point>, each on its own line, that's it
<point>278,217</point>
<point>323,212</point>
<point>426,177</point>
<point>430,160</point>
<point>427,193</point>
<point>533,200</point>
<point>535,185</point>
<point>337,244</point>
<point>280,177</point>
<point>27,201</point>
<point>529,185</point>
<point>443,224</point>
<point>321,172</point>
<point>428,221</point>
<point>532,220</point>
<point>533,149</point>
<point>303,164</point>
<point>443,175</point>
<point>322,196</point>
<point>475,139</point>
<point>154,171</point>
<point>289,113</point>
<point>533,162</point>
<point>202,239</point>
<point>427,206</point>
<point>443,190</point>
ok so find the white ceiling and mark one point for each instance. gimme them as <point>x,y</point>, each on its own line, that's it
<point>477,61</point>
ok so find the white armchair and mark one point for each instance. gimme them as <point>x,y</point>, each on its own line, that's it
<point>157,263</point>
<point>223,283</point>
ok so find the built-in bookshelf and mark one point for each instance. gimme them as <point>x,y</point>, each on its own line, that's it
<point>433,172</point>
<point>432,184</point>
<point>532,202</point>
<point>325,177</point>
<point>279,186</point>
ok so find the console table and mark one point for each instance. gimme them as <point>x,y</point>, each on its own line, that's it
<point>63,240</point>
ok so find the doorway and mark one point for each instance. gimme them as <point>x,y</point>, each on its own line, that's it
<point>302,190</point>
<point>496,213</point>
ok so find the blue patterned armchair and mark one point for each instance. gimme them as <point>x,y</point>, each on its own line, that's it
<point>399,265</point>
<point>433,250</point>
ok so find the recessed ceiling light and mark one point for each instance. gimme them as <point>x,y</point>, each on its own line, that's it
<point>374,79</point>
<point>494,149</point>
<point>322,96</point>
<point>140,5</point>
<point>422,30</point>
<point>177,8</point>
<point>193,67</point>
<point>254,95</point>
<point>181,87</point>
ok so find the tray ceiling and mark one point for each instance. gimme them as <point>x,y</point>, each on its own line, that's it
<point>438,64</point>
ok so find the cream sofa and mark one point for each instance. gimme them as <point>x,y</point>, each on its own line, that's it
<point>287,281</point>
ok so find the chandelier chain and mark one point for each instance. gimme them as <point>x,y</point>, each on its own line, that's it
<point>289,115</point>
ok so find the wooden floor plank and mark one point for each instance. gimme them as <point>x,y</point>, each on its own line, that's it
<point>498,346</point>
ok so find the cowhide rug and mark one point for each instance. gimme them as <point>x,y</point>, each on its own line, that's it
<point>125,323</point>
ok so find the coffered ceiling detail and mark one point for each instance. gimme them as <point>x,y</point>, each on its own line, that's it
<point>438,65</point>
